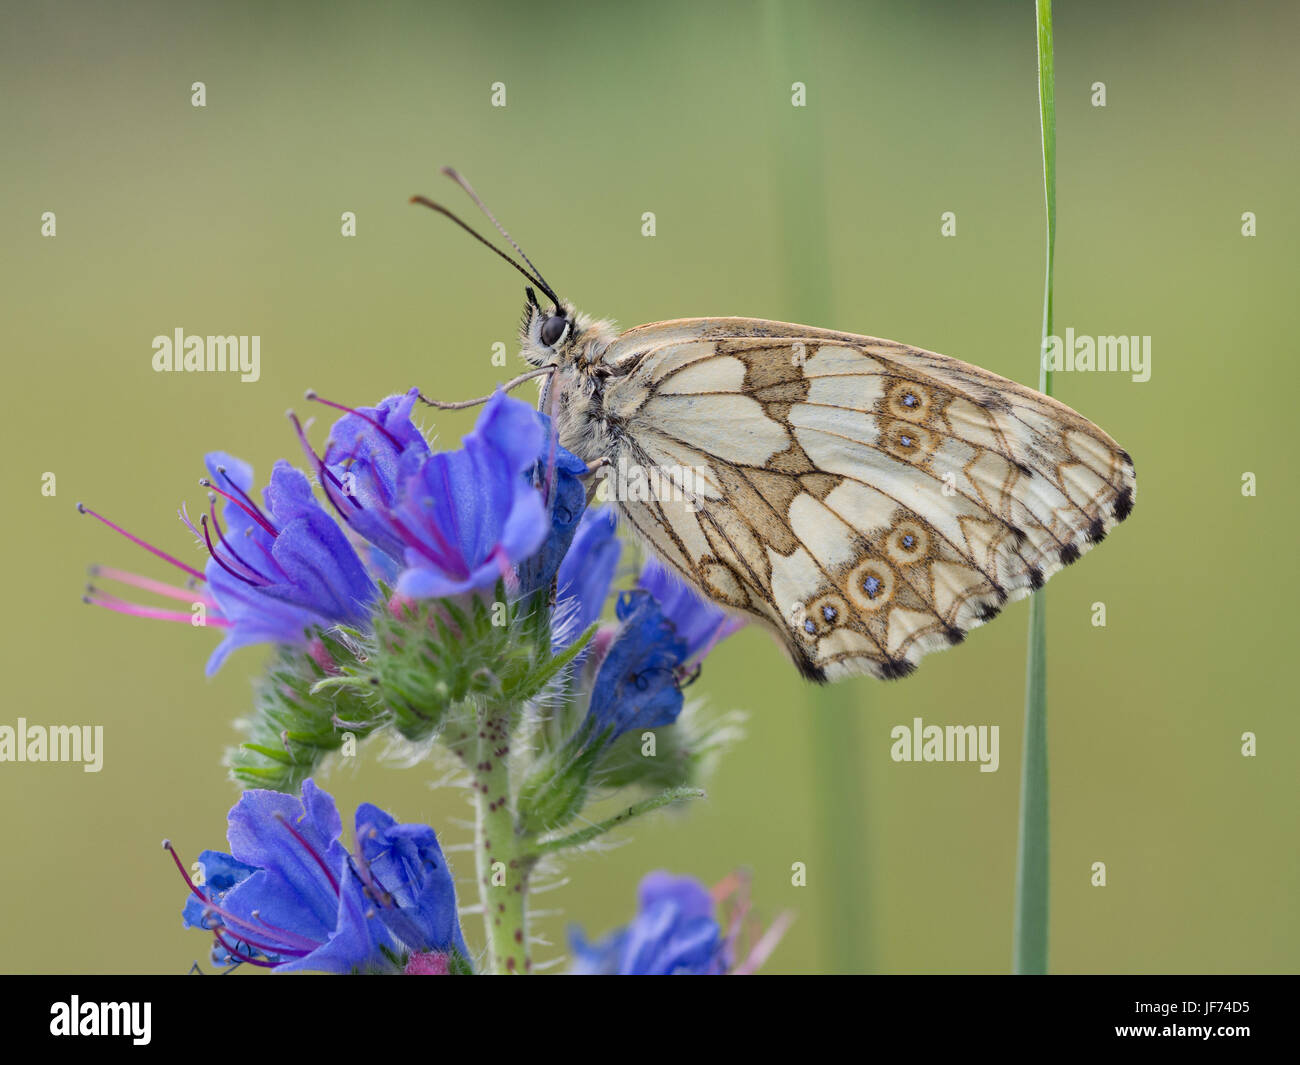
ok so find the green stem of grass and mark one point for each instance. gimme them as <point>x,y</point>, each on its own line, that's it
<point>1030,942</point>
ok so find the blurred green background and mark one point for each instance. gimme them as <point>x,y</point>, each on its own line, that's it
<point>226,219</point>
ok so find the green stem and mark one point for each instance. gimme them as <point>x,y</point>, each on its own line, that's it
<point>503,862</point>
<point>1030,942</point>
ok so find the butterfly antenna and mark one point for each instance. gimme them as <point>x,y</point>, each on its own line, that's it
<point>460,180</point>
<point>425,202</point>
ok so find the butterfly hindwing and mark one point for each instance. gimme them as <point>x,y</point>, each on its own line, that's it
<point>868,501</point>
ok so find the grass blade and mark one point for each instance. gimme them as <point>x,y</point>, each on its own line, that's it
<point>1030,937</point>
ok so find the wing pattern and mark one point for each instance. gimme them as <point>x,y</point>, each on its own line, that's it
<point>868,501</point>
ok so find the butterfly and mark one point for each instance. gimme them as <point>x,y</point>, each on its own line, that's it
<point>867,501</point>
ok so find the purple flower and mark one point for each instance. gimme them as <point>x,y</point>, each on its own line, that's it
<point>665,629</point>
<point>290,896</point>
<point>277,572</point>
<point>701,624</point>
<point>558,475</point>
<point>274,571</point>
<point>585,575</point>
<point>468,517</point>
<point>636,683</point>
<point>359,471</point>
<point>674,933</point>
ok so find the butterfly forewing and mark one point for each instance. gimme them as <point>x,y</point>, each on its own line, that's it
<point>868,501</point>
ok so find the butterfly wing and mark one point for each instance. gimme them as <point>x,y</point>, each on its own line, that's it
<point>866,500</point>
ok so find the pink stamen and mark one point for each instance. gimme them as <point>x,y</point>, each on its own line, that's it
<point>452,561</point>
<point>237,955</point>
<point>764,947</point>
<point>122,606</point>
<point>424,549</point>
<point>256,944</point>
<point>82,508</point>
<point>148,584</point>
<point>307,945</point>
<point>330,484</point>
<point>310,850</point>
<point>221,470</point>
<point>313,397</point>
<point>203,521</point>
<point>725,887</point>
<point>252,512</point>
<point>212,511</point>
<point>295,944</point>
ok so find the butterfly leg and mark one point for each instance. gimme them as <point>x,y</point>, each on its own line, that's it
<point>592,481</point>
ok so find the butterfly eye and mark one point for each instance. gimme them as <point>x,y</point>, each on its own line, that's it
<point>553,328</point>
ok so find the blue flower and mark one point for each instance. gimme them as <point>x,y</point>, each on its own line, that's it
<point>290,897</point>
<point>673,934</point>
<point>468,517</point>
<point>278,571</point>
<point>359,469</point>
<point>701,624</point>
<point>558,475</point>
<point>585,575</point>
<point>636,683</point>
<point>406,862</point>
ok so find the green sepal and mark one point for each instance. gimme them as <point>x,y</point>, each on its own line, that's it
<point>668,797</point>
<point>458,964</point>
<point>296,721</point>
<point>438,654</point>
<point>556,790</point>
<point>683,755</point>
<point>532,683</point>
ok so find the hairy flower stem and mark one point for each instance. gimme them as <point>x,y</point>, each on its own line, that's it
<point>503,863</point>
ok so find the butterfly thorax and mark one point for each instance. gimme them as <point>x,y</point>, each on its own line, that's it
<point>574,394</point>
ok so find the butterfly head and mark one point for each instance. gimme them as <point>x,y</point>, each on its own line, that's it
<point>546,335</point>
<point>558,334</point>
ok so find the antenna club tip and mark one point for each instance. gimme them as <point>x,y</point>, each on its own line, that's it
<point>310,395</point>
<point>81,508</point>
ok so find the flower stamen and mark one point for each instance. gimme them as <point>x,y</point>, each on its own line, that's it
<point>83,509</point>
